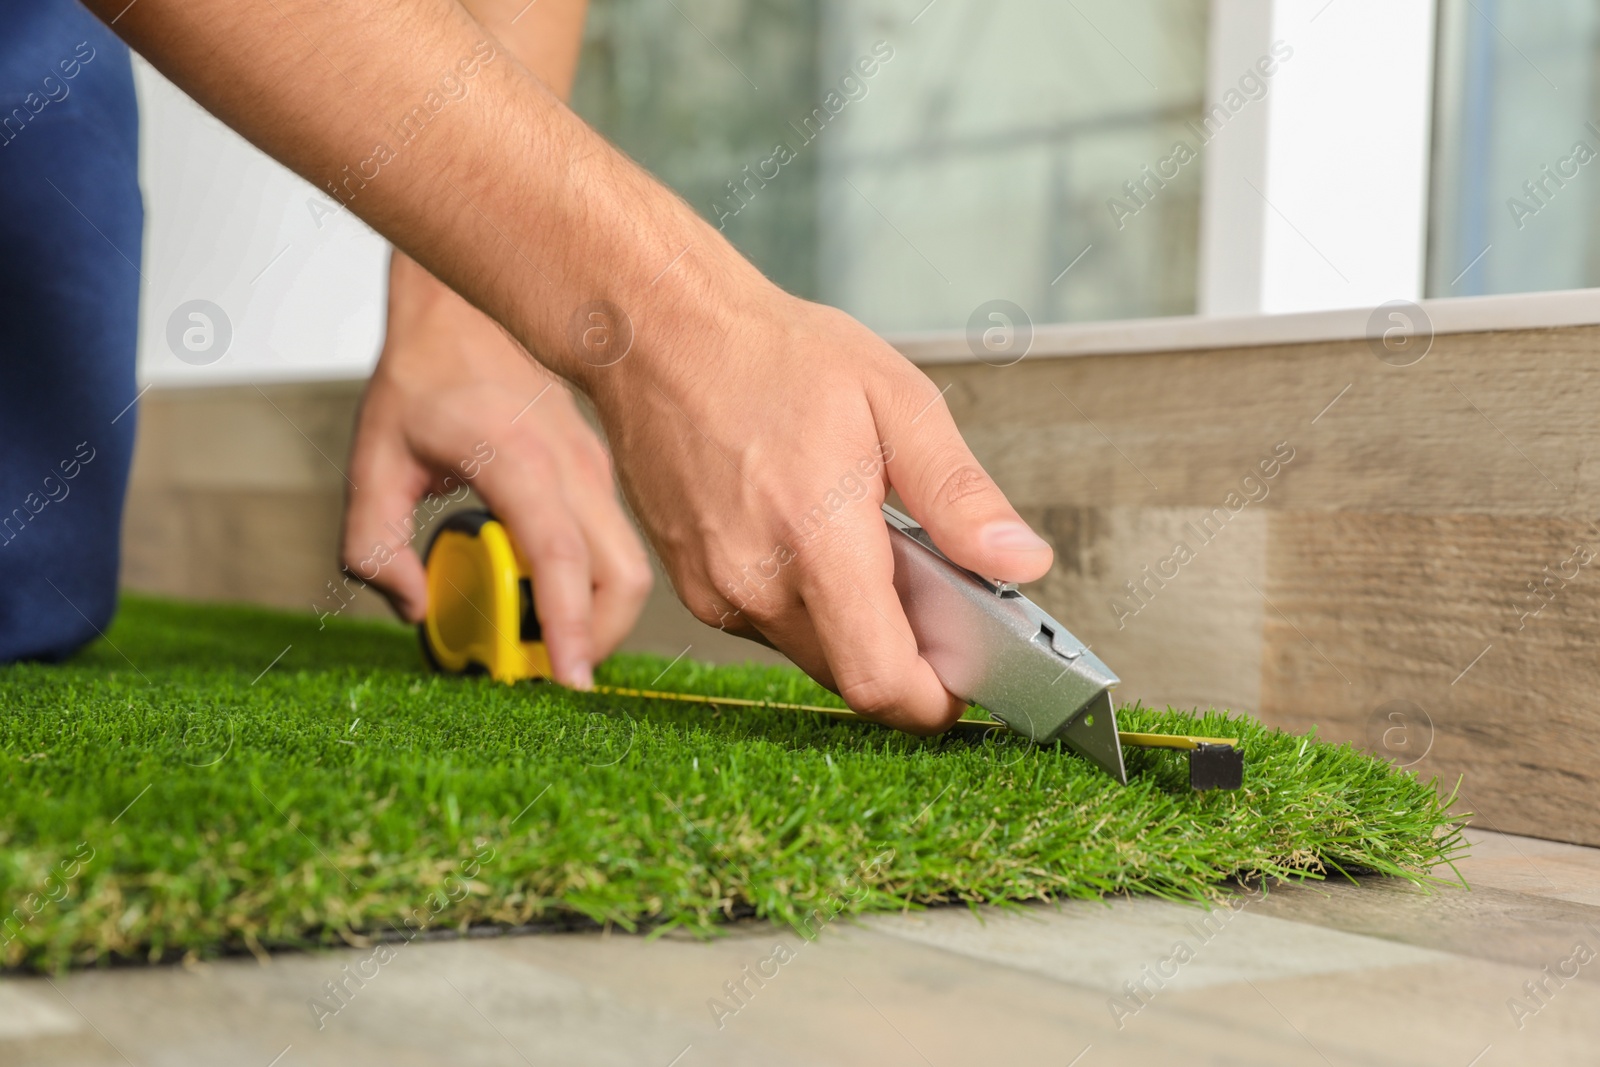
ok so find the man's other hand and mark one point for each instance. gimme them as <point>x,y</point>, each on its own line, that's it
<point>454,400</point>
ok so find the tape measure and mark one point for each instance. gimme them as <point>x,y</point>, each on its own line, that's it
<point>480,602</point>
<point>481,620</point>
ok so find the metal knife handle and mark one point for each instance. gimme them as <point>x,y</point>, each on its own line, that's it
<point>991,645</point>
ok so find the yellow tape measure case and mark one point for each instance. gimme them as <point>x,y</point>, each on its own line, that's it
<point>480,602</point>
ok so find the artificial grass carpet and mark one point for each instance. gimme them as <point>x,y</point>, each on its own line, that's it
<point>210,778</point>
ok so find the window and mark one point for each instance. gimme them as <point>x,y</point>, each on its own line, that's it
<point>909,163</point>
<point>1516,182</point>
<point>912,160</point>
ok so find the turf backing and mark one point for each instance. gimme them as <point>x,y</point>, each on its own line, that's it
<point>209,779</point>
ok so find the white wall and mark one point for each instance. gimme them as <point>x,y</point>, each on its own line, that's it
<point>300,284</point>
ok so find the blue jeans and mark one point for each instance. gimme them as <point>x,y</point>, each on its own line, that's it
<point>70,225</point>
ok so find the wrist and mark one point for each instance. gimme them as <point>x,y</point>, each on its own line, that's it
<point>680,312</point>
<point>435,337</point>
<point>415,298</point>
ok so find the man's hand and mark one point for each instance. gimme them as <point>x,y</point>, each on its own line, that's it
<point>757,463</point>
<point>450,390</point>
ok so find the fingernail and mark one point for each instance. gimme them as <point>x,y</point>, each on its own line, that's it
<point>1012,537</point>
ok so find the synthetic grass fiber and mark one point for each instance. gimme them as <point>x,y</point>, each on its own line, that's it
<point>211,779</point>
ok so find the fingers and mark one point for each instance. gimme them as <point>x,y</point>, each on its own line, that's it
<point>375,546</point>
<point>784,627</point>
<point>621,571</point>
<point>956,501</point>
<point>524,490</point>
<point>860,632</point>
<point>549,482</point>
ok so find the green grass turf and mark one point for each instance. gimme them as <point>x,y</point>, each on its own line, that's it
<point>166,794</point>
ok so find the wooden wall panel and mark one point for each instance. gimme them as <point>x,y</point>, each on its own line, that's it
<point>236,494</point>
<point>1390,552</point>
<point>1151,639</point>
<point>1434,609</point>
<point>1442,435</point>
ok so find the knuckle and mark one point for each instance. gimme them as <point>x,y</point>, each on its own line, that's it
<point>531,456</point>
<point>714,612</point>
<point>757,600</point>
<point>571,634</point>
<point>563,606</point>
<point>766,614</point>
<point>560,549</point>
<point>351,557</point>
<point>965,482</point>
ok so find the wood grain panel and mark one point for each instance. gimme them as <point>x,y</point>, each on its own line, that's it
<point>1478,425</point>
<point>1394,548</point>
<point>1430,608</point>
<point>279,437</point>
<point>260,546</point>
<point>1149,638</point>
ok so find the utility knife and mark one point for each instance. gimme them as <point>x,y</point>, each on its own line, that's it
<point>992,646</point>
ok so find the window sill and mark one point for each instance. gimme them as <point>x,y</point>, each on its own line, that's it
<point>1472,314</point>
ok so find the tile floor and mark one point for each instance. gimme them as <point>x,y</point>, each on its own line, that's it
<point>1375,973</point>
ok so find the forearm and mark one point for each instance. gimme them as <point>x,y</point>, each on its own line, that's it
<point>545,36</point>
<point>501,192</point>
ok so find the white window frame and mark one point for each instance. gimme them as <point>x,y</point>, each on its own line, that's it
<point>1462,314</point>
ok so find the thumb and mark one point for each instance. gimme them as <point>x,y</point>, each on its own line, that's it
<point>952,497</point>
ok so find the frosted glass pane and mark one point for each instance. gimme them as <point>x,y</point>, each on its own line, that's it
<point>1514,205</point>
<point>909,161</point>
